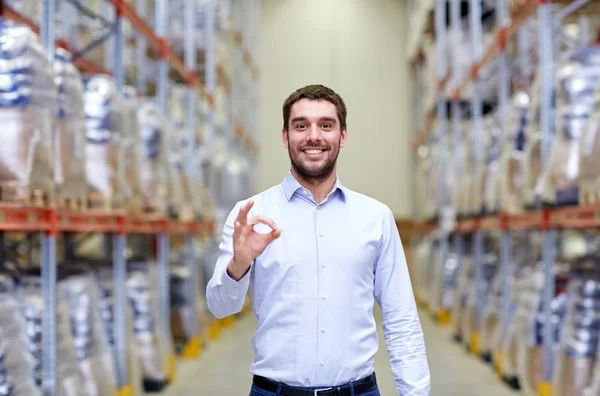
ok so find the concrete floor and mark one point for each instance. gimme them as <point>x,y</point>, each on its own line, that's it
<point>223,367</point>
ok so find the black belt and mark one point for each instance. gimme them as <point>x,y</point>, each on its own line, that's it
<point>360,386</point>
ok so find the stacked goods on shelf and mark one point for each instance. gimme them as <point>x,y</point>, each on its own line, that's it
<point>182,313</point>
<point>447,281</point>
<point>131,146</point>
<point>489,270</point>
<point>577,78</point>
<point>69,377</point>
<point>490,202</point>
<point>70,146</point>
<point>81,292</point>
<point>16,361</point>
<point>489,137</point>
<point>579,339</point>
<point>510,173</point>
<point>104,119</point>
<point>464,280</point>
<point>28,112</point>
<point>589,179</point>
<point>153,347</point>
<point>154,171</point>
<point>421,257</point>
<point>104,277</point>
<point>181,183</point>
<point>465,178</point>
<point>434,276</point>
<point>529,321</point>
<point>504,348</point>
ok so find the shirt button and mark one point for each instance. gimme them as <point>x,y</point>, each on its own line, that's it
<point>318,207</point>
<point>322,330</point>
<point>324,265</point>
<point>324,296</point>
<point>322,363</point>
<point>321,235</point>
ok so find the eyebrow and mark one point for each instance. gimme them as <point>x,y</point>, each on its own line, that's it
<point>329,119</point>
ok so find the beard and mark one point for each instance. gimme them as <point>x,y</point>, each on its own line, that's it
<point>314,171</point>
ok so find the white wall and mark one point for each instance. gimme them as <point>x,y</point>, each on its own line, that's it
<point>355,47</point>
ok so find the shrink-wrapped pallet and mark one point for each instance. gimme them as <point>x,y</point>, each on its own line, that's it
<point>511,165</point>
<point>70,144</point>
<point>16,361</point>
<point>81,292</point>
<point>104,116</point>
<point>154,348</point>
<point>472,324</point>
<point>531,328</point>
<point>182,195</point>
<point>421,258</point>
<point>589,177</point>
<point>104,278</point>
<point>154,171</point>
<point>579,340</point>
<point>132,186</point>
<point>577,78</point>
<point>28,115</point>
<point>490,195</point>
<point>459,304</point>
<point>70,381</point>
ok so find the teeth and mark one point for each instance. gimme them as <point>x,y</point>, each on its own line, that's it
<point>314,151</point>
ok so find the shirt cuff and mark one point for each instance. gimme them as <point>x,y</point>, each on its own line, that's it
<point>235,288</point>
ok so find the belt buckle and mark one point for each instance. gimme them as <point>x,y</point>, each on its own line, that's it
<point>321,390</point>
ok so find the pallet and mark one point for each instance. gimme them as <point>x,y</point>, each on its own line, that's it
<point>74,204</point>
<point>97,201</point>
<point>24,196</point>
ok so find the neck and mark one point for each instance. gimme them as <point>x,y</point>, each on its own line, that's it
<point>318,187</point>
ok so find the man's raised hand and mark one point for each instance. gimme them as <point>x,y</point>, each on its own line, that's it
<point>247,243</point>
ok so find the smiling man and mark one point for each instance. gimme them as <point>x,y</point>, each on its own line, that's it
<point>315,255</point>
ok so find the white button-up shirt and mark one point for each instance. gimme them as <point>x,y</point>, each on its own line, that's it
<point>313,291</point>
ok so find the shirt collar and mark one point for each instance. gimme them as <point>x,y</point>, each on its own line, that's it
<point>291,185</point>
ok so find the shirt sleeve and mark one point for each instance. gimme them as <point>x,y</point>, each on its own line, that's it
<point>224,295</point>
<point>401,324</point>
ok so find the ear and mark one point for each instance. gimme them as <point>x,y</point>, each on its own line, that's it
<point>285,138</point>
<point>343,137</point>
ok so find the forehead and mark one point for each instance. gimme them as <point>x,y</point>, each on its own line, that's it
<point>313,109</point>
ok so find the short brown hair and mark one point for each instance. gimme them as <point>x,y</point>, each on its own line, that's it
<point>315,92</point>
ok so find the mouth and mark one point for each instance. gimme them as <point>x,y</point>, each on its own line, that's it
<point>314,152</point>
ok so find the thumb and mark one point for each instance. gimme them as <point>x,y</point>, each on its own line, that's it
<point>271,236</point>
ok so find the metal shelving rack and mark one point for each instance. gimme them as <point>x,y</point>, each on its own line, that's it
<point>429,17</point>
<point>239,83</point>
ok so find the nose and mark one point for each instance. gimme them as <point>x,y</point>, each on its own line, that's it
<point>314,133</point>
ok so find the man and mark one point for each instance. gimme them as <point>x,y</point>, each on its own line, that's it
<point>314,254</point>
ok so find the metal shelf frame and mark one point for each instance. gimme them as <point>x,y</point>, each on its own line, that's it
<point>509,24</point>
<point>117,225</point>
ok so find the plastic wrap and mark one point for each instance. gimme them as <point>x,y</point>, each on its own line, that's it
<point>104,278</point>
<point>16,363</point>
<point>28,114</point>
<point>132,186</point>
<point>182,308</point>
<point>491,196</point>
<point>104,116</point>
<point>511,168</point>
<point>530,322</point>
<point>182,196</point>
<point>89,339</point>
<point>489,269</point>
<point>70,381</point>
<point>464,279</point>
<point>152,346</point>
<point>579,340</point>
<point>69,155</point>
<point>525,249</point>
<point>577,79</point>
<point>155,168</point>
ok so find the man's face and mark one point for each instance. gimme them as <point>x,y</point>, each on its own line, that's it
<point>313,138</point>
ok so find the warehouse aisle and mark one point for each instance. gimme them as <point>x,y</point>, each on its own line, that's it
<point>223,368</point>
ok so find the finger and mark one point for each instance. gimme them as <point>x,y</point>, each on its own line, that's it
<point>242,216</point>
<point>271,236</point>
<point>254,220</point>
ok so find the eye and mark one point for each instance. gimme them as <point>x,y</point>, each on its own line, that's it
<point>326,125</point>
<point>300,126</point>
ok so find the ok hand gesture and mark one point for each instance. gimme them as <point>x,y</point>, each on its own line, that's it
<point>247,243</point>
